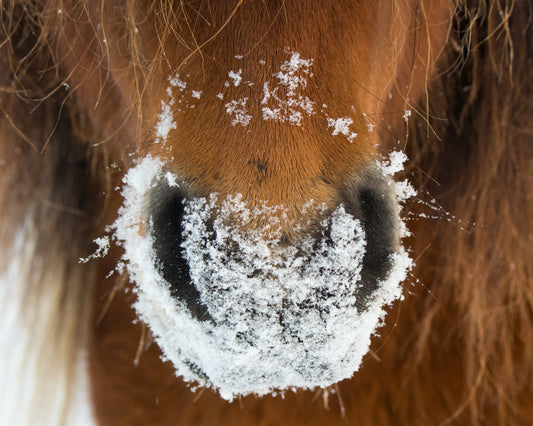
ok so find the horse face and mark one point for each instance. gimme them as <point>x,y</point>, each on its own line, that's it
<point>261,233</point>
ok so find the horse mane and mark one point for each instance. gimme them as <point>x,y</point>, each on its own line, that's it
<point>479,161</point>
<point>47,225</point>
<point>471,157</point>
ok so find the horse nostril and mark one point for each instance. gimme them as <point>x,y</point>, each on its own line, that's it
<point>380,225</point>
<point>166,215</point>
<point>372,200</point>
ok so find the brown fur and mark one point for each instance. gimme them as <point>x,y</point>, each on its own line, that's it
<point>458,350</point>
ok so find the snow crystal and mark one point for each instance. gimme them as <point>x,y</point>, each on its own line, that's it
<point>171,179</point>
<point>403,189</point>
<point>288,76</point>
<point>394,164</point>
<point>341,126</point>
<point>236,77</point>
<point>101,251</point>
<point>281,318</point>
<point>177,82</point>
<point>165,121</point>
<point>239,111</point>
<point>290,106</point>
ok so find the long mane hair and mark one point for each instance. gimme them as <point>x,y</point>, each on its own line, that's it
<point>481,168</point>
<point>462,343</point>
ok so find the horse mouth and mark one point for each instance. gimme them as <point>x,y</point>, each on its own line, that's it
<point>244,313</point>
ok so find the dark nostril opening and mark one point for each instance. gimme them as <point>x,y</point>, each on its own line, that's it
<point>379,223</point>
<point>372,201</point>
<point>167,210</point>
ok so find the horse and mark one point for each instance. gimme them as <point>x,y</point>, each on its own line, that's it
<point>266,212</point>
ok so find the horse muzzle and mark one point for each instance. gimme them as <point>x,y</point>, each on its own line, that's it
<point>237,305</point>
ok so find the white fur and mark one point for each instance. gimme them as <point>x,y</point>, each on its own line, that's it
<point>43,378</point>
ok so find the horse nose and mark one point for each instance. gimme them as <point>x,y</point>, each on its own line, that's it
<point>368,199</point>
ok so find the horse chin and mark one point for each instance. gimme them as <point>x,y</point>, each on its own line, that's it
<point>234,307</point>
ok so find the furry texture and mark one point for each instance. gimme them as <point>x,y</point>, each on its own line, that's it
<point>458,351</point>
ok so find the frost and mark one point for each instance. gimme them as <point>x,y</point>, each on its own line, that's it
<point>406,115</point>
<point>341,126</point>
<point>282,318</point>
<point>196,94</point>
<point>239,111</point>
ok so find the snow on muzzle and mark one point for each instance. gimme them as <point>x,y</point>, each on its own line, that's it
<point>234,306</point>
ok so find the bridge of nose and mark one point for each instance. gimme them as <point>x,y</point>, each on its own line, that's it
<point>275,164</point>
<point>265,125</point>
<point>267,159</point>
